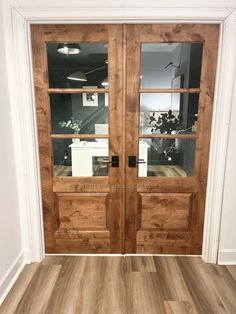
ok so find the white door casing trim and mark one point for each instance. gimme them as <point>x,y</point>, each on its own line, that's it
<point>24,116</point>
<point>223,102</point>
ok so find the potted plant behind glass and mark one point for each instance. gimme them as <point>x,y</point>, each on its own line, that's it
<point>166,123</point>
<point>73,124</point>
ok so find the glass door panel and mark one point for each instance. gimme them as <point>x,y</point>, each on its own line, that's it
<point>166,157</point>
<point>85,113</point>
<point>81,157</point>
<point>78,64</point>
<point>168,113</point>
<point>163,63</point>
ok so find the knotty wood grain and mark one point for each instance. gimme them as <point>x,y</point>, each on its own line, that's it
<point>55,208</point>
<point>170,90</point>
<point>165,136</point>
<point>79,136</point>
<point>84,211</point>
<point>77,90</point>
<point>151,241</point>
<point>165,211</point>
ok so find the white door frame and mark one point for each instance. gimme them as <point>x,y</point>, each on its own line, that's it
<point>24,117</point>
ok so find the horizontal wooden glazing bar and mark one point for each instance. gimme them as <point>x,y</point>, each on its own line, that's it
<point>77,90</point>
<point>79,135</point>
<point>170,90</point>
<point>168,136</point>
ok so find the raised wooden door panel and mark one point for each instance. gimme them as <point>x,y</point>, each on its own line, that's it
<point>75,210</point>
<point>165,207</point>
<point>165,211</point>
<point>82,208</point>
<point>166,221</point>
<point>83,222</point>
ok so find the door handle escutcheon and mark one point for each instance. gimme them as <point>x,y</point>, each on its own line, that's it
<point>132,161</point>
<point>114,161</point>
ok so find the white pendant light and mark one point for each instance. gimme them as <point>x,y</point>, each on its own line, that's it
<point>81,76</point>
<point>78,76</point>
<point>105,82</point>
<point>69,49</point>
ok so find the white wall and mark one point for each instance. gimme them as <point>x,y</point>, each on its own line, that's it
<point>11,255</point>
<point>154,75</point>
<point>227,248</point>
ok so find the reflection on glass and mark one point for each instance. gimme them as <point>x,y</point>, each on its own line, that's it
<point>167,157</point>
<point>77,65</point>
<point>80,157</point>
<point>79,113</point>
<point>168,113</point>
<point>171,65</point>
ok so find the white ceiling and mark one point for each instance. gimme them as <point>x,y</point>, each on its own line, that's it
<point>159,47</point>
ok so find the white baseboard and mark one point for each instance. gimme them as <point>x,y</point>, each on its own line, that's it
<point>227,257</point>
<point>11,275</point>
<point>27,256</point>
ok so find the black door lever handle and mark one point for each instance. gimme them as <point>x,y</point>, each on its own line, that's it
<point>114,161</point>
<point>132,162</point>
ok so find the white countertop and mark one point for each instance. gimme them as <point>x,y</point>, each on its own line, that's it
<point>98,144</point>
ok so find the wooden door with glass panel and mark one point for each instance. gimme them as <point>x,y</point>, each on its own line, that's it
<point>78,87</point>
<point>170,87</point>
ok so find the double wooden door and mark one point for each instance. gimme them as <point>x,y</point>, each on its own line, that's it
<point>124,121</point>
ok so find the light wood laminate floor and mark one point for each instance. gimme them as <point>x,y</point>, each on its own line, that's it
<point>139,285</point>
